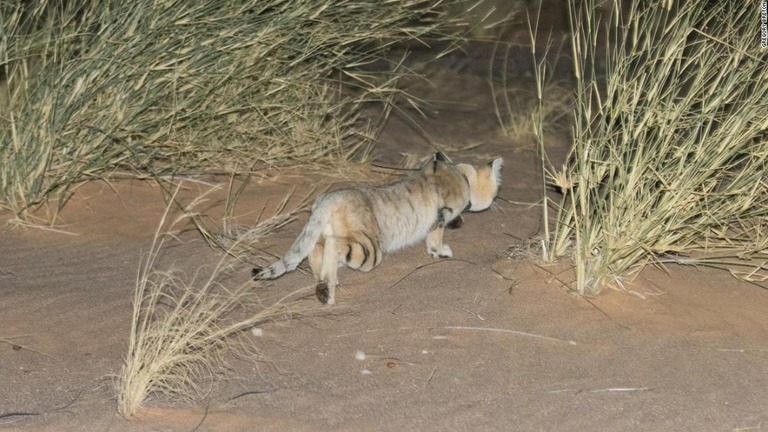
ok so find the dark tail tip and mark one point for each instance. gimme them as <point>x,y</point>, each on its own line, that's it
<point>257,272</point>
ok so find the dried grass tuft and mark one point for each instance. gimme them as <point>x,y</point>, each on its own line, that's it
<point>184,329</point>
<point>167,87</point>
<point>670,156</point>
<point>239,241</point>
<point>525,111</point>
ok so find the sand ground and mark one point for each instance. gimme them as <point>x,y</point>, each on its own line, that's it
<point>475,343</point>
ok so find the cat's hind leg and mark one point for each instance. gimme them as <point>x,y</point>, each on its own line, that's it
<point>329,268</point>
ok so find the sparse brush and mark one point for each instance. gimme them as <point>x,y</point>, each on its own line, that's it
<point>183,330</point>
<point>670,156</point>
<point>163,87</point>
<point>523,113</point>
<point>239,241</point>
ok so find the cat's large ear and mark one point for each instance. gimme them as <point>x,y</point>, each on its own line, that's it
<point>484,183</point>
<point>496,170</point>
<point>431,166</point>
<point>438,158</point>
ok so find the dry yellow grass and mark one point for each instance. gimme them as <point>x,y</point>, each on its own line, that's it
<point>670,156</point>
<point>184,329</point>
<point>155,88</point>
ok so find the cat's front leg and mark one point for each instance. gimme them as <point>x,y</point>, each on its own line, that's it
<point>435,246</point>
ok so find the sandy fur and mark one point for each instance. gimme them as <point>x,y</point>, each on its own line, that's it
<point>354,227</point>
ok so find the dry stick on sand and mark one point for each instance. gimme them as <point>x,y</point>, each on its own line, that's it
<point>427,265</point>
<point>53,411</point>
<point>20,346</point>
<point>498,330</point>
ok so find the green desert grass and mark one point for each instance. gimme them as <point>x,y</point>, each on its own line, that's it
<point>161,88</point>
<point>670,154</point>
<point>184,329</point>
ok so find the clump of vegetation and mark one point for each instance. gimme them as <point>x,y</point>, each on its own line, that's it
<point>522,111</point>
<point>164,87</point>
<point>670,155</point>
<point>237,240</point>
<point>532,106</point>
<point>184,329</point>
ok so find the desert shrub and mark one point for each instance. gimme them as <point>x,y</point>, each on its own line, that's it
<point>186,328</point>
<point>670,154</point>
<point>527,107</point>
<point>165,87</point>
<point>522,111</point>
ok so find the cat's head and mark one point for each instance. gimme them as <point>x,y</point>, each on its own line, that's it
<point>484,182</point>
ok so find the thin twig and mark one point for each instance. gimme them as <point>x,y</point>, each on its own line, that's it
<point>53,411</point>
<point>498,330</point>
<point>14,344</point>
<point>429,379</point>
<point>427,265</point>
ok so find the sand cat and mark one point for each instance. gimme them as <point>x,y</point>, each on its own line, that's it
<point>355,227</point>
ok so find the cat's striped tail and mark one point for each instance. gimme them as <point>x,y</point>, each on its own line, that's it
<point>301,247</point>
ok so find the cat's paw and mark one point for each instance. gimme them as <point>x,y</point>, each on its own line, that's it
<point>325,293</point>
<point>442,252</point>
<point>321,291</point>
